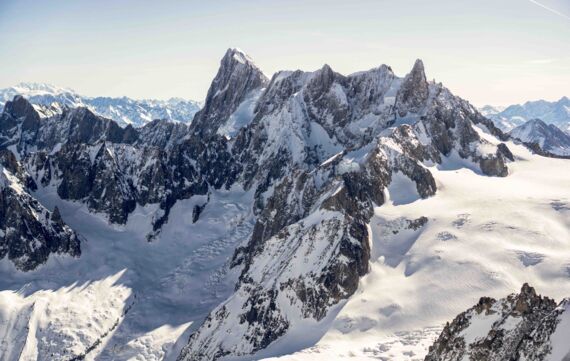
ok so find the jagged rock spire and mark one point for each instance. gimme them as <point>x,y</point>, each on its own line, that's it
<point>322,80</point>
<point>236,78</point>
<point>20,108</point>
<point>21,112</point>
<point>56,216</point>
<point>414,91</point>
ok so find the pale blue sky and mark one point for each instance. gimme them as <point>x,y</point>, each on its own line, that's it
<point>488,51</point>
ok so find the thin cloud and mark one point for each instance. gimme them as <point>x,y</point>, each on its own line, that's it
<point>542,61</point>
<point>550,9</point>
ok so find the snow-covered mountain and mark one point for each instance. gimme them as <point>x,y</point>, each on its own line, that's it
<point>547,136</point>
<point>557,113</point>
<point>313,214</point>
<point>50,100</point>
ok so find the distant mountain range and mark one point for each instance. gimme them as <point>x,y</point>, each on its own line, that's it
<point>557,113</point>
<point>548,136</point>
<point>49,100</point>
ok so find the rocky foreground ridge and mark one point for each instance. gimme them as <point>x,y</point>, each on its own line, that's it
<point>523,326</point>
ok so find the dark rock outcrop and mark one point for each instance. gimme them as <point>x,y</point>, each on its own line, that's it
<point>414,91</point>
<point>29,233</point>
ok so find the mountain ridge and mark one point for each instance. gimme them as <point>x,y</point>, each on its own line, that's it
<point>551,112</point>
<point>547,136</point>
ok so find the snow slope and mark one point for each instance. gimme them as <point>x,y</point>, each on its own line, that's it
<point>485,236</point>
<point>559,340</point>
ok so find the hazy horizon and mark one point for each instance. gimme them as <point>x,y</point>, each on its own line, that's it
<point>487,53</point>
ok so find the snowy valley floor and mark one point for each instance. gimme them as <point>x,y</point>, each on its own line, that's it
<point>484,237</point>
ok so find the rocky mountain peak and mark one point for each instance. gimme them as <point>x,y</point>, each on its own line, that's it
<point>417,75</point>
<point>414,91</point>
<point>322,79</point>
<point>324,75</point>
<point>418,68</point>
<point>86,127</point>
<point>526,299</point>
<point>18,112</point>
<point>236,79</point>
<point>237,63</point>
<point>20,107</point>
<point>326,70</point>
<point>236,54</point>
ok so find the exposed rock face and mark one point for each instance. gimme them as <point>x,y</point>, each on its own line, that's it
<point>21,126</point>
<point>518,327</point>
<point>414,92</point>
<point>161,134</point>
<point>237,77</point>
<point>112,169</point>
<point>505,152</point>
<point>19,123</point>
<point>113,178</point>
<point>494,166</point>
<point>81,126</point>
<point>29,233</point>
